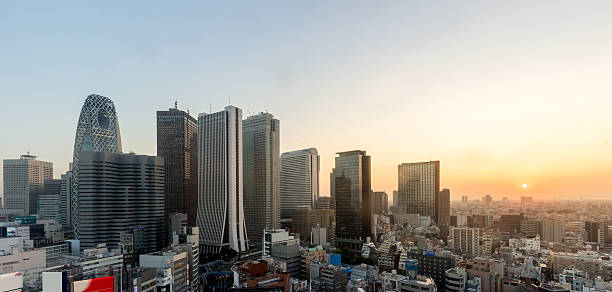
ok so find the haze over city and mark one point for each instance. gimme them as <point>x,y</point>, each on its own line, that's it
<point>503,94</point>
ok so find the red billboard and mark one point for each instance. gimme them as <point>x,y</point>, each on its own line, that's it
<point>105,284</point>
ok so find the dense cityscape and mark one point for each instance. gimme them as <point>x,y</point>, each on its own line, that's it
<point>220,208</point>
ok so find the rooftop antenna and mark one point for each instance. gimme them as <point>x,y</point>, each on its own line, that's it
<point>176,104</point>
<point>210,108</point>
<point>229,100</point>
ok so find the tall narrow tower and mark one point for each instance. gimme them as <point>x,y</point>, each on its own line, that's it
<point>97,130</point>
<point>177,134</point>
<point>352,186</point>
<point>220,204</point>
<point>261,155</point>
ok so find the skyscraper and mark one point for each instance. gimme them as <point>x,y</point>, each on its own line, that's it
<point>119,192</point>
<point>380,202</point>
<point>49,206</point>
<point>418,187</point>
<point>352,186</point>
<point>261,166</point>
<point>220,202</point>
<point>395,198</point>
<point>299,180</point>
<point>97,130</point>
<point>65,199</point>
<point>24,181</point>
<point>177,134</point>
<point>443,212</point>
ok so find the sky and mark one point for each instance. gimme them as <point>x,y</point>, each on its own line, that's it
<point>501,92</point>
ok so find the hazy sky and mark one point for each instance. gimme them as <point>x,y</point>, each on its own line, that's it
<point>501,92</point>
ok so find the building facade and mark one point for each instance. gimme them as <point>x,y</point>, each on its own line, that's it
<point>352,187</point>
<point>97,130</point>
<point>419,186</point>
<point>24,181</point>
<point>299,180</point>
<point>65,199</point>
<point>261,166</point>
<point>119,192</point>
<point>464,240</point>
<point>380,202</point>
<point>220,193</point>
<point>553,229</point>
<point>443,212</point>
<point>177,140</point>
<point>49,206</point>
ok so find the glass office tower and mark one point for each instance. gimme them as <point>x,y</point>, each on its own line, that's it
<point>177,134</point>
<point>352,186</point>
<point>418,187</point>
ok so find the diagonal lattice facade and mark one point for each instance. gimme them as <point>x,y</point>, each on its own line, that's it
<point>97,130</point>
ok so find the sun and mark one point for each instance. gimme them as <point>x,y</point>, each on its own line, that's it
<point>524,186</point>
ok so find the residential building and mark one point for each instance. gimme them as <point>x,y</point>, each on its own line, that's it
<point>489,271</point>
<point>24,181</point>
<point>119,192</point>
<point>299,181</point>
<point>454,280</point>
<point>464,240</point>
<point>553,229</point>
<point>97,130</point>
<point>261,166</point>
<point>220,177</point>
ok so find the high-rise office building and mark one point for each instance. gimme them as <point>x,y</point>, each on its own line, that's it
<point>395,198</point>
<point>119,192</point>
<point>24,181</point>
<point>352,186</point>
<point>97,130</point>
<point>49,206</point>
<point>220,203</point>
<point>299,180</point>
<point>443,212</point>
<point>177,135</point>
<point>380,202</point>
<point>261,169</point>
<point>419,186</point>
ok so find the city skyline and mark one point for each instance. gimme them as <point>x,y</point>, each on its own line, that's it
<point>508,102</point>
